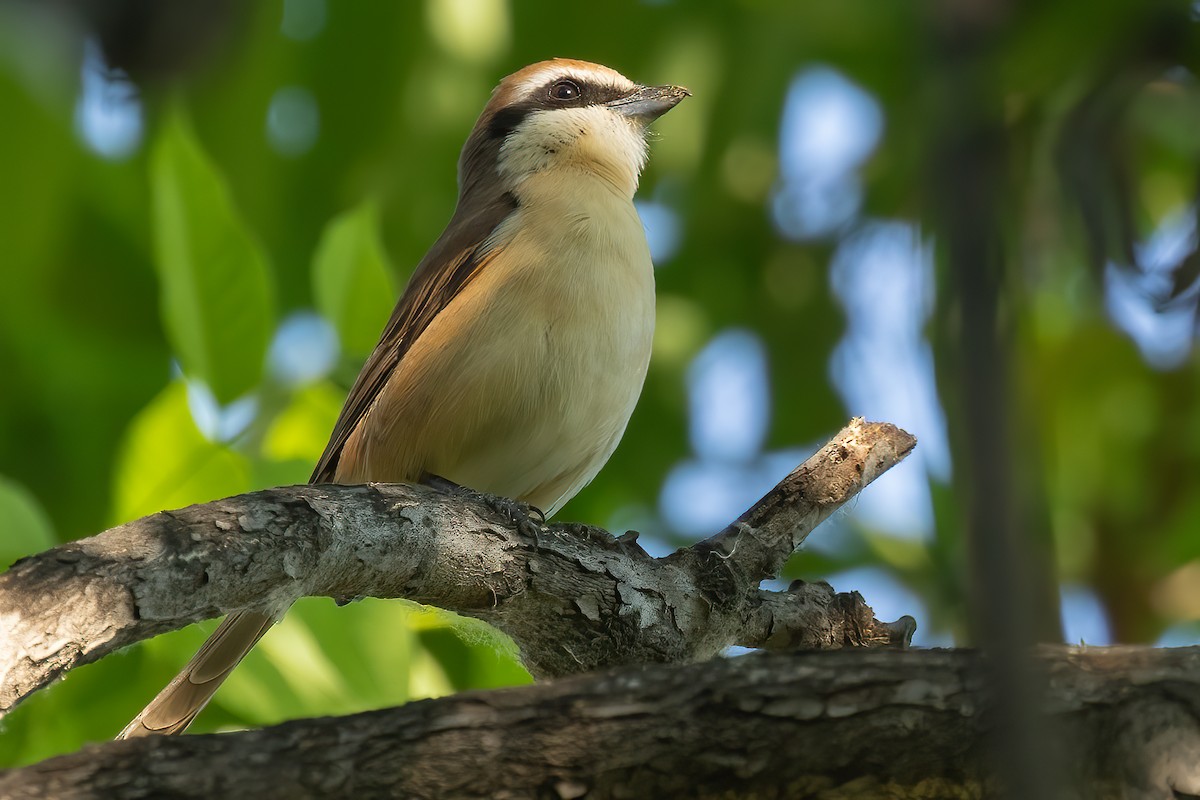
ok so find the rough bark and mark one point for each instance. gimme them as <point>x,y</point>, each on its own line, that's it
<point>862,724</point>
<point>572,597</point>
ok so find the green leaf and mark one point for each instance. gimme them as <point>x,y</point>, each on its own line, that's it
<point>295,437</point>
<point>217,293</point>
<point>301,428</point>
<point>24,526</point>
<point>165,462</point>
<point>352,280</point>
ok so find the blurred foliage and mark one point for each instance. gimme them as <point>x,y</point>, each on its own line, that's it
<point>122,273</point>
<point>216,299</point>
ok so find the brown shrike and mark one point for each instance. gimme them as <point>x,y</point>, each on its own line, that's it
<point>516,354</point>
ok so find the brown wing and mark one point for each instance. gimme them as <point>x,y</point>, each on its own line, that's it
<point>448,267</point>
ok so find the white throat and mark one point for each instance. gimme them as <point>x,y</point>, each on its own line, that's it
<point>591,140</point>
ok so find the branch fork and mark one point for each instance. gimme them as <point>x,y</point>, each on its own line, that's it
<point>574,598</point>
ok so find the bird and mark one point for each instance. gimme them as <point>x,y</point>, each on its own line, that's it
<point>517,351</point>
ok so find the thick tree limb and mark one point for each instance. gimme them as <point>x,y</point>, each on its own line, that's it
<point>867,724</point>
<point>573,598</point>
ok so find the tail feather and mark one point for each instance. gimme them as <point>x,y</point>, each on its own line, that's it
<point>183,698</point>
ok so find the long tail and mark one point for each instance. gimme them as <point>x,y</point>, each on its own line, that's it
<point>178,704</point>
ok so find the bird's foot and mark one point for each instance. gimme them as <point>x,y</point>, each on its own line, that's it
<point>442,484</point>
<point>525,518</point>
<point>521,515</point>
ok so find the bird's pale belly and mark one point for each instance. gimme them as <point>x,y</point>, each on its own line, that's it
<point>545,458</point>
<point>555,413</point>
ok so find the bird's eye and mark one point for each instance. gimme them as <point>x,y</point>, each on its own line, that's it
<point>564,90</point>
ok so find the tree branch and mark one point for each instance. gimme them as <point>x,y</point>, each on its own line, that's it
<point>765,536</point>
<point>880,723</point>
<point>572,597</point>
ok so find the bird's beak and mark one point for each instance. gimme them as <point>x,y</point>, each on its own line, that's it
<point>648,103</point>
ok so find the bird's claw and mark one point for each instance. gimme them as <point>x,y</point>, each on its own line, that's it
<point>518,513</point>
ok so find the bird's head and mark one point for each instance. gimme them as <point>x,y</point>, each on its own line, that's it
<point>564,115</point>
